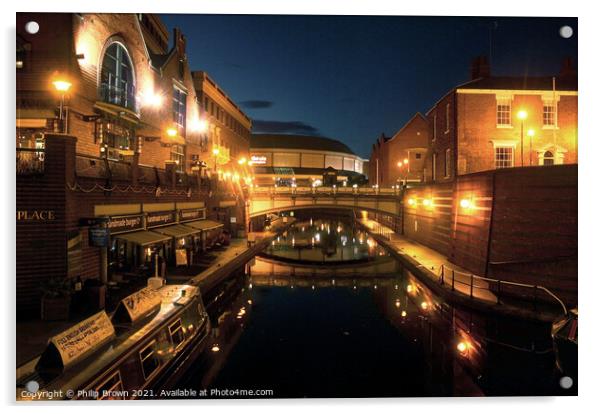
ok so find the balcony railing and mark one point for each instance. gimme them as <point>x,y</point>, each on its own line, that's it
<point>30,161</point>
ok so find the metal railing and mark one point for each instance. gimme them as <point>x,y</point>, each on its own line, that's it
<point>325,190</point>
<point>500,288</point>
<point>30,161</point>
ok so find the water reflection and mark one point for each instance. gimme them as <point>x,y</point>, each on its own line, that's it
<point>363,327</point>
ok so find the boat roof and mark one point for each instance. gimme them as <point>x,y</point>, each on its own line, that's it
<point>171,302</point>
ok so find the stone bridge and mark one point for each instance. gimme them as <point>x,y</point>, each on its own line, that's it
<point>266,200</point>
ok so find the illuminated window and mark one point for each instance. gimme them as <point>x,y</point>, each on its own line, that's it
<point>448,163</point>
<point>549,114</point>
<point>179,109</point>
<point>504,157</point>
<point>177,155</point>
<point>504,113</point>
<point>117,84</point>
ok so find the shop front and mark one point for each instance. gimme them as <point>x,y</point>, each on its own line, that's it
<point>210,232</point>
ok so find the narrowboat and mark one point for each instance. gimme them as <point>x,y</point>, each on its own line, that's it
<point>149,339</point>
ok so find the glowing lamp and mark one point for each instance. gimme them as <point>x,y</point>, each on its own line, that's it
<point>427,202</point>
<point>467,204</point>
<point>522,114</point>
<point>406,161</point>
<point>399,164</point>
<point>462,347</point>
<point>404,314</point>
<point>216,151</point>
<point>531,133</point>
<point>242,161</point>
<point>215,348</point>
<point>412,201</point>
<point>152,99</point>
<point>172,132</point>
<point>61,85</point>
<point>424,305</point>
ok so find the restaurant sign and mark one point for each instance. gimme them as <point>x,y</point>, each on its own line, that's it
<point>121,224</point>
<point>160,218</point>
<point>193,214</point>
<point>98,236</point>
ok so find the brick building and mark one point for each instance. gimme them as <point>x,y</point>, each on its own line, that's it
<point>494,122</point>
<point>401,158</point>
<point>111,133</point>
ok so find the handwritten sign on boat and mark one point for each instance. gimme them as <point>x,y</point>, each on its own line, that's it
<point>77,342</point>
<point>138,306</point>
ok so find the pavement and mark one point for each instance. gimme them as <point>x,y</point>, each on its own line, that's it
<point>432,260</point>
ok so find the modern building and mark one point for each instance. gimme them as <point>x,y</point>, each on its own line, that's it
<point>112,152</point>
<point>302,160</point>
<point>400,159</point>
<point>486,123</point>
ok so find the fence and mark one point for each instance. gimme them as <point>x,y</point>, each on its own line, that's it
<point>534,294</point>
<point>294,190</point>
<point>30,161</point>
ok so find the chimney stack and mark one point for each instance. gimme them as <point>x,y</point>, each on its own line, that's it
<point>480,68</point>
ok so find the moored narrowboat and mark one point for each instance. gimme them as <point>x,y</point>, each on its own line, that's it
<point>131,355</point>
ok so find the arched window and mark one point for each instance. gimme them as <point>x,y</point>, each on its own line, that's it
<point>548,158</point>
<point>117,83</point>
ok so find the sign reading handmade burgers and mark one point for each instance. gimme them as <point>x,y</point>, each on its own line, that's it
<point>121,224</point>
<point>160,218</point>
<point>192,214</point>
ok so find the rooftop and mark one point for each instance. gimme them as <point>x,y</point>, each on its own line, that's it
<point>539,83</point>
<point>307,142</point>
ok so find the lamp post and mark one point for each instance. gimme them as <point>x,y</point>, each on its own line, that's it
<point>401,164</point>
<point>522,115</point>
<point>531,134</point>
<point>62,86</point>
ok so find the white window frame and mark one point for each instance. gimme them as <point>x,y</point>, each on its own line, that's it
<point>434,166</point>
<point>547,103</point>
<point>505,101</point>
<point>504,144</point>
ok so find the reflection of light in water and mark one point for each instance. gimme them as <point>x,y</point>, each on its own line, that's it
<point>313,287</point>
<point>344,240</point>
<point>396,287</point>
<point>397,303</point>
<point>339,229</point>
<point>375,287</point>
<point>424,305</point>
<point>317,237</point>
<point>410,288</point>
<point>463,348</point>
<point>404,314</point>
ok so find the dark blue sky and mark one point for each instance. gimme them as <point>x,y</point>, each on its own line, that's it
<point>353,77</point>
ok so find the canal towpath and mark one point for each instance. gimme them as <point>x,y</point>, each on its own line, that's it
<point>452,282</point>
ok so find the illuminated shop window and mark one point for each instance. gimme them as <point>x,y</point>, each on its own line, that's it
<point>504,157</point>
<point>177,155</point>
<point>117,84</point>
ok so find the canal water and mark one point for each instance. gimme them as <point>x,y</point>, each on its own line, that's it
<point>326,312</point>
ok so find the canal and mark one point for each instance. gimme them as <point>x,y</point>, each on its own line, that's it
<point>326,312</point>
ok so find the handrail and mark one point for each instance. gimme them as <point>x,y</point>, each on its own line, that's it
<point>497,282</point>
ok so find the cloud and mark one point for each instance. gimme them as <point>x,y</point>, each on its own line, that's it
<point>256,104</point>
<point>284,127</point>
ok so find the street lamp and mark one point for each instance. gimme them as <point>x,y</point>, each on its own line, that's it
<point>531,134</point>
<point>522,115</point>
<point>400,164</point>
<point>63,87</point>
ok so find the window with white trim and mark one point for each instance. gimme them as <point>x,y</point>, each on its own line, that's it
<point>434,166</point>
<point>434,127</point>
<point>504,113</point>
<point>179,109</point>
<point>504,156</point>
<point>177,155</point>
<point>549,114</point>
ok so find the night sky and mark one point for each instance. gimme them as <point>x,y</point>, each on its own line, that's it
<point>353,77</point>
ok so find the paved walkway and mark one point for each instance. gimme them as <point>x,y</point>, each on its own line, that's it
<point>432,260</point>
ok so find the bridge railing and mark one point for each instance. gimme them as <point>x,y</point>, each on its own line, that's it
<point>293,190</point>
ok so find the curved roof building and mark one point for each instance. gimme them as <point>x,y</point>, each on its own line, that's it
<point>282,156</point>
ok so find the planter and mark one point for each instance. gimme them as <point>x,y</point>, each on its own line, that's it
<point>55,308</point>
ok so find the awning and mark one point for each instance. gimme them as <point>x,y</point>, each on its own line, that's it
<point>205,225</point>
<point>177,230</point>
<point>143,238</point>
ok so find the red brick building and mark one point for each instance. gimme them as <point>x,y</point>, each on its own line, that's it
<point>401,158</point>
<point>494,122</point>
<point>110,129</point>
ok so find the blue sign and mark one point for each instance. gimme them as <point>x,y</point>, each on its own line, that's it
<point>98,236</point>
